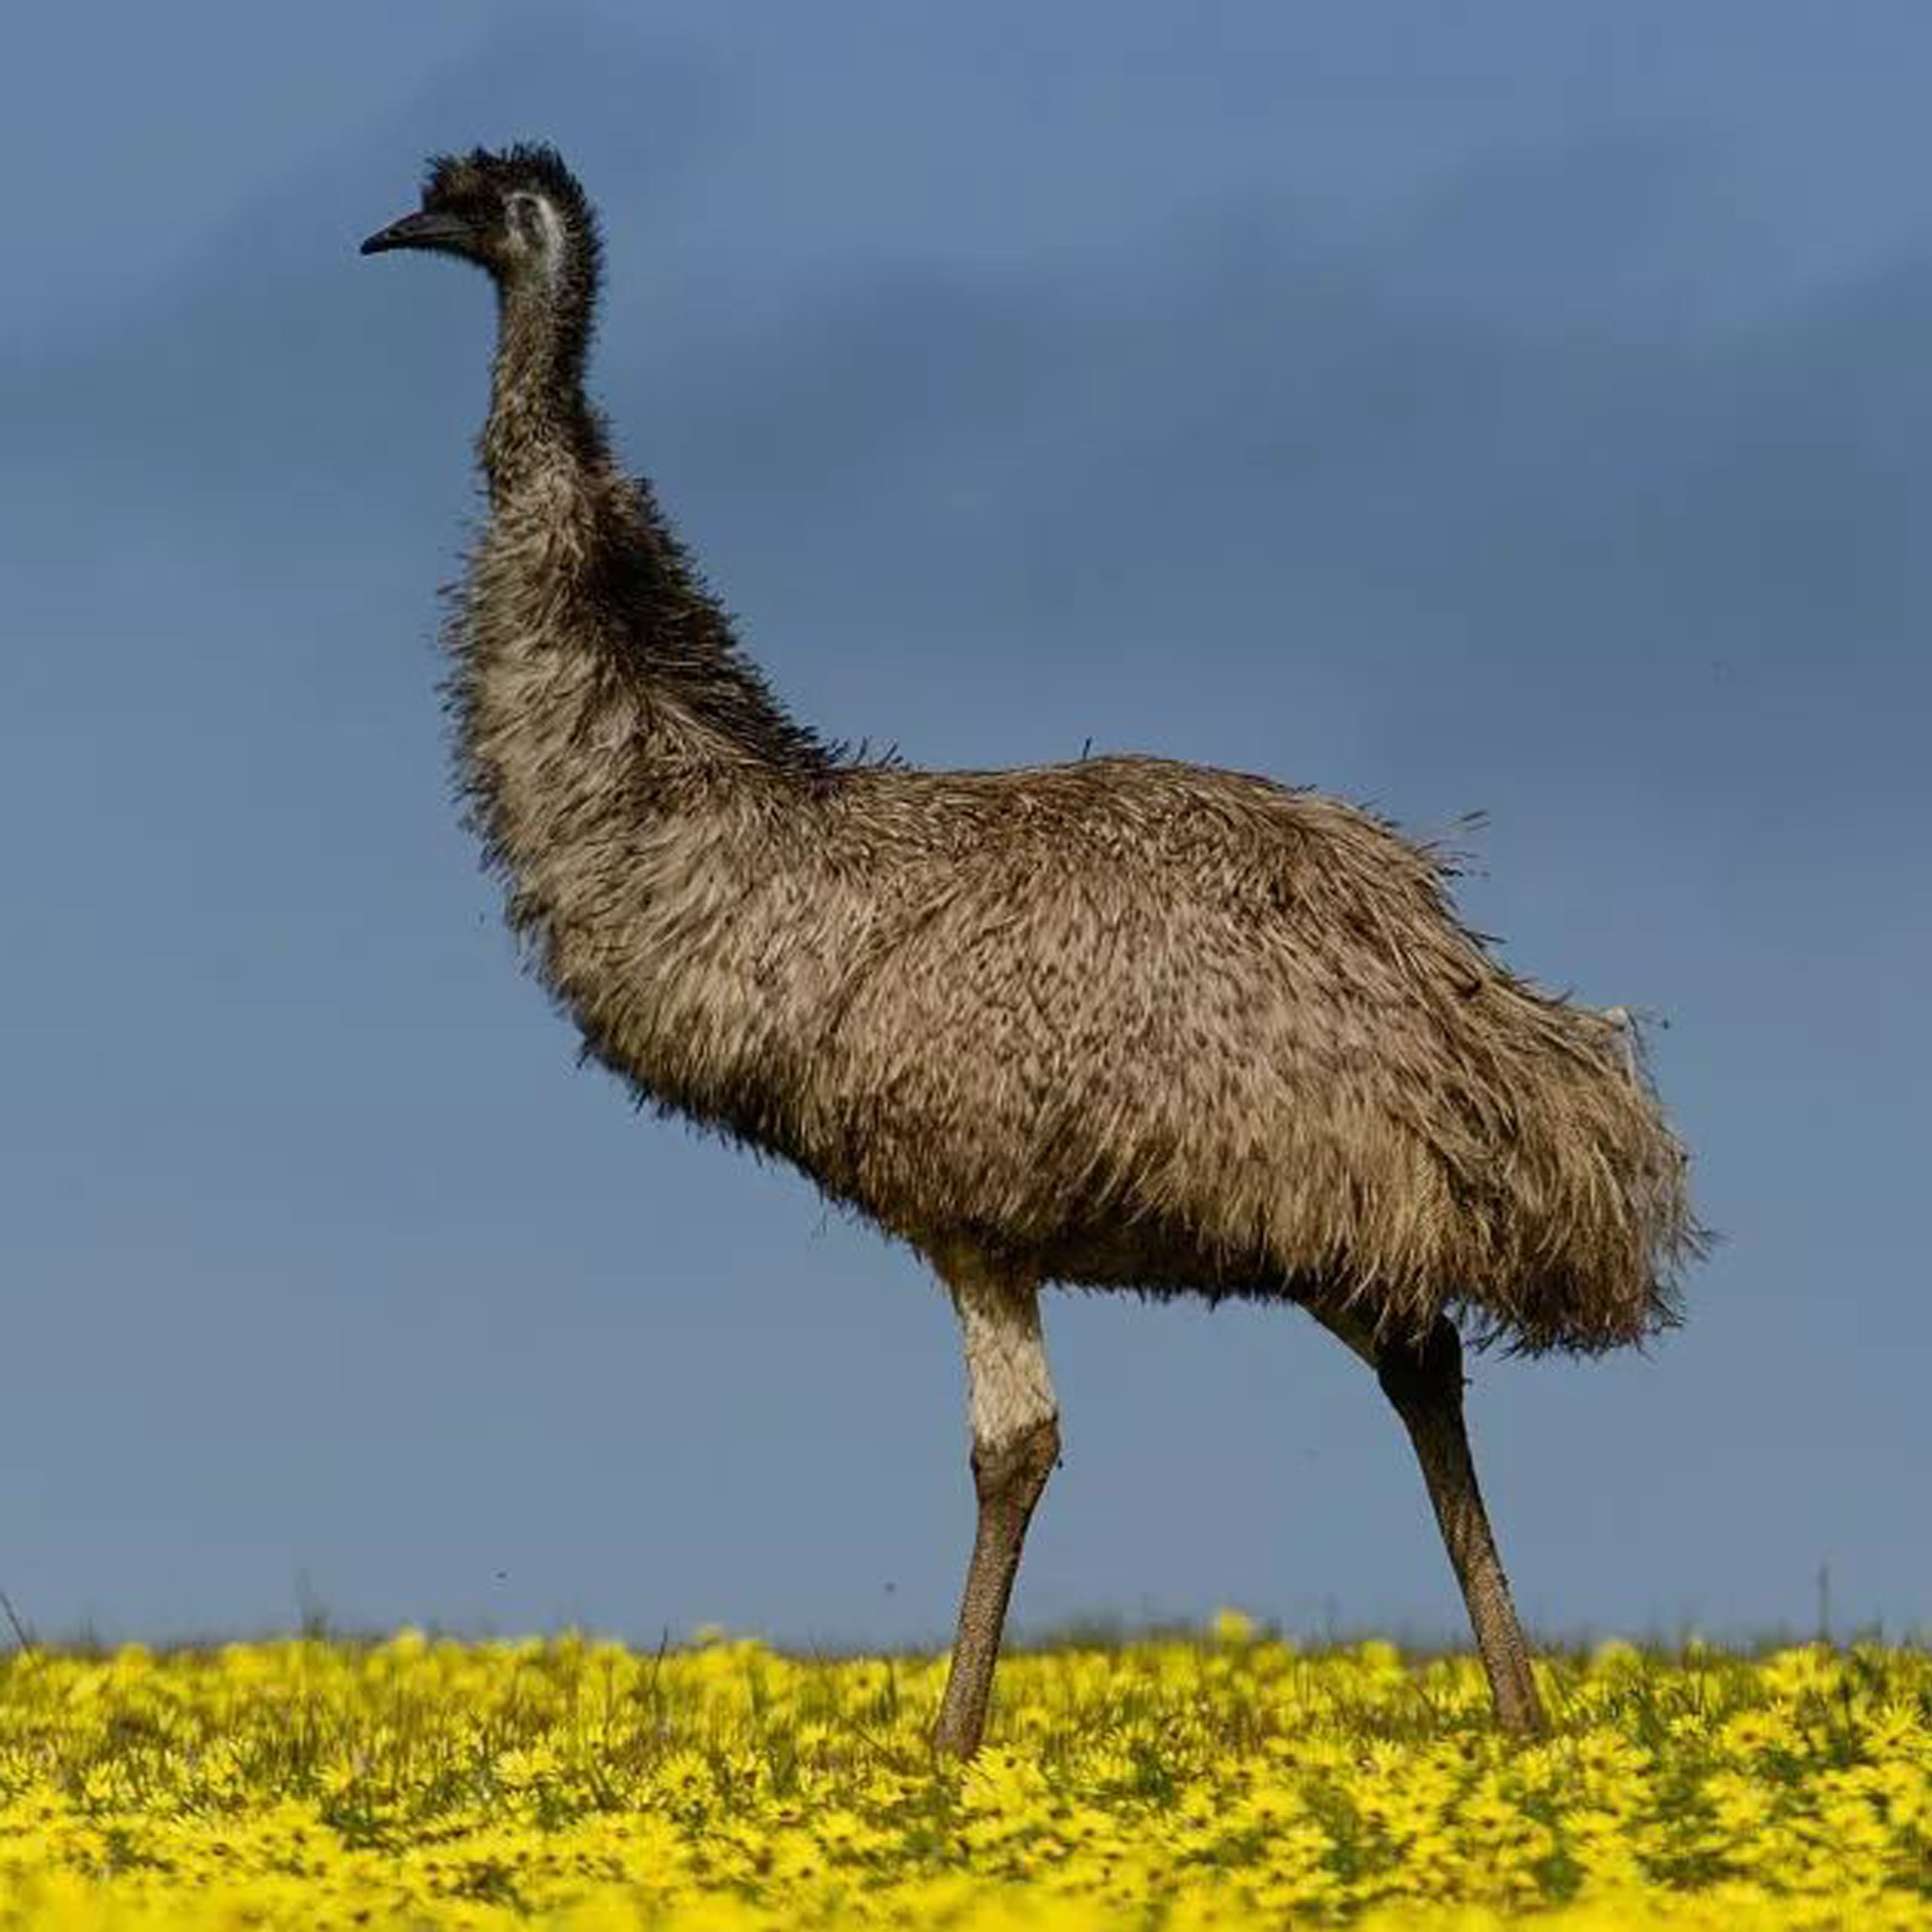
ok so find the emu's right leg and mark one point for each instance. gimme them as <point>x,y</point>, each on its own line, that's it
<point>1424,1385</point>
<point>1015,1444</point>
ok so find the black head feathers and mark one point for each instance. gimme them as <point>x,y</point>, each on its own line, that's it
<point>518,211</point>
<point>486,176</point>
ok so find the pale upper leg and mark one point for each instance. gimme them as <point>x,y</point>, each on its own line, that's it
<point>1015,1444</point>
<point>1009,1389</point>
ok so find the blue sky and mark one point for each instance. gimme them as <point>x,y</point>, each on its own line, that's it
<point>1521,410</point>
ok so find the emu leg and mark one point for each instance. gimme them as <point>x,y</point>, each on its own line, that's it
<point>1425,1384</point>
<point>1015,1444</point>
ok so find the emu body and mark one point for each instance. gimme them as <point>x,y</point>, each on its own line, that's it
<point>1122,1023</point>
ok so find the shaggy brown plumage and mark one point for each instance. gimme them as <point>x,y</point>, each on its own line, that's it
<point>1130,1023</point>
<point>1120,1023</point>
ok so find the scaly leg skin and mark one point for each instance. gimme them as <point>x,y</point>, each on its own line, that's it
<point>1015,1445</point>
<point>1425,1384</point>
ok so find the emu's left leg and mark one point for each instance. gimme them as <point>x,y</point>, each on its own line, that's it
<point>1015,1444</point>
<point>1425,1385</point>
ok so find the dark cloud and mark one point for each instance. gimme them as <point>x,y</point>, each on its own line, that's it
<point>1239,434</point>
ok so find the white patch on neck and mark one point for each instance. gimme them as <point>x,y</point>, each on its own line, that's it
<point>556,239</point>
<point>555,246</point>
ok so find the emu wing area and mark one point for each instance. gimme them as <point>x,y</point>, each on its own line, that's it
<point>1135,1023</point>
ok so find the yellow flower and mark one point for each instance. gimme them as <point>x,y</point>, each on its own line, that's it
<point>1232,1626</point>
<point>1230,1782</point>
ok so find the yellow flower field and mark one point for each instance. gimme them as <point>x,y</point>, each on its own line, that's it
<point>1228,1783</point>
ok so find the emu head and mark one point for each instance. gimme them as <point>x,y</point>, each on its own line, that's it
<point>517,212</point>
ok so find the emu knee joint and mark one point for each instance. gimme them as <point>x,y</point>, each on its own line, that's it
<point>1016,1472</point>
<point>1415,1374</point>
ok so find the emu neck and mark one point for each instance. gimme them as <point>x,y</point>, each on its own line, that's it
<point>580,561</point>
<point>538,418</point>
<point>635,782</point>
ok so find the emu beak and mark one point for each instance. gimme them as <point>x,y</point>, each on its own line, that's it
<point>431,229</point>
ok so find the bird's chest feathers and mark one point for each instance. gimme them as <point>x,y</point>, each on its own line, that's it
<point>629,883</point>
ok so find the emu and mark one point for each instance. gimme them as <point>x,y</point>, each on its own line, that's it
<point>1125,1023</point>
